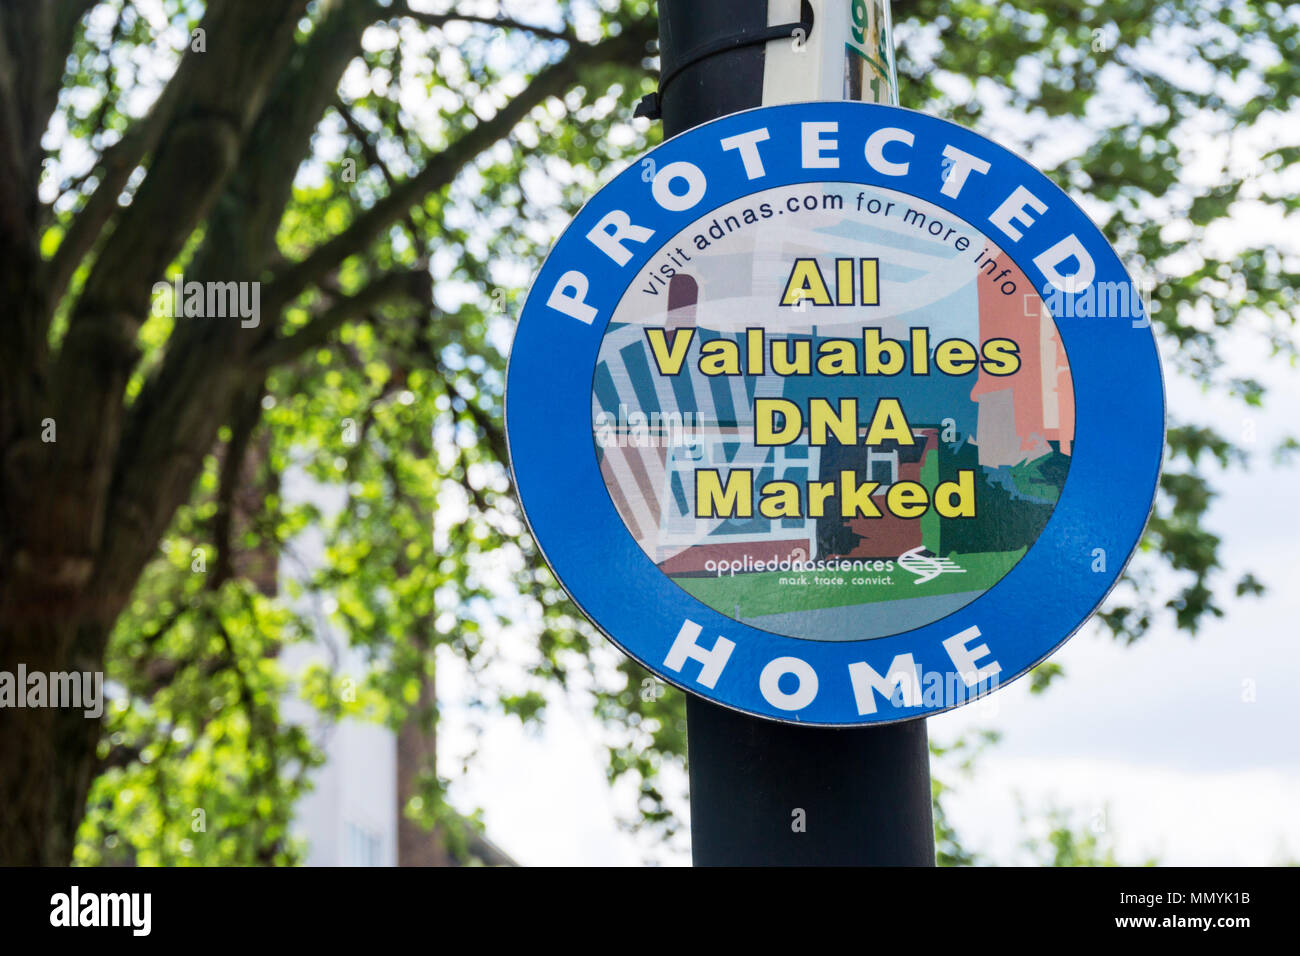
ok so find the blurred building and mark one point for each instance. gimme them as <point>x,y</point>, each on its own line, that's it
<point>353,815</point>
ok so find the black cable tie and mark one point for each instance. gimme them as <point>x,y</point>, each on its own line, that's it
<point>651,105</point>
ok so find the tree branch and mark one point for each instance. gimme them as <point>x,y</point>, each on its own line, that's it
<point>35,37</point>
<point>371,154</point>
<point>222,90</point>
<point>439,20</point>
<point>247,413</point>
<point>167,432</point>
<point>163,445</point>
<point>442,169</point>
<point>113,170</point>
<point>362,136</point>
<point>14,186</point>
<point>415,285</point>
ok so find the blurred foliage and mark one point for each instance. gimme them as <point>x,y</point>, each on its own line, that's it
<point>1053,834</point>
<point>1057,839</point>
<point>958,759</point>
<point>383,493</point>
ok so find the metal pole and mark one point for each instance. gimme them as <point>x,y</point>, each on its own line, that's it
<point>764,793</point>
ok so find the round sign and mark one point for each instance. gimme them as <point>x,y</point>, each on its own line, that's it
<point>835,413</point>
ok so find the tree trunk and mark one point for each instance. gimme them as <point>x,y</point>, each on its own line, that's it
<point>81,515</point>
<point>417,754</point>
<point>49,754</point>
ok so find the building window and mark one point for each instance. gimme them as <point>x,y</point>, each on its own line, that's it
<point>362,846</point>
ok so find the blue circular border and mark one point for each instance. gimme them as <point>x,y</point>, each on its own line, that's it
<point>1036,607</point>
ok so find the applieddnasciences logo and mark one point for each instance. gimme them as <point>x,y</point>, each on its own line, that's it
<point>72,689</point>
<point>130,910</point>
<point>925,566</point>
